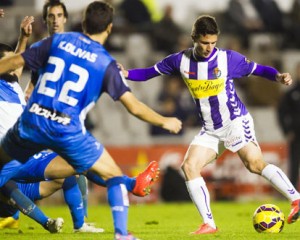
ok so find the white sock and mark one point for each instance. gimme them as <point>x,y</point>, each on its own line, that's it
<point>201,198</point>
<point>280,181</point>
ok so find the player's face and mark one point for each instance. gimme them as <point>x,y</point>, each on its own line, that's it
<point>205,45</point>
<point>55,20</point>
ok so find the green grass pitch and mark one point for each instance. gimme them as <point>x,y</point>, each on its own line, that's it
<point>160,222</point>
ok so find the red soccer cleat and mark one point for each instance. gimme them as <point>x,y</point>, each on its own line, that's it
<point>146,179</point>
<point>205,229</point>
<point>295,212</point>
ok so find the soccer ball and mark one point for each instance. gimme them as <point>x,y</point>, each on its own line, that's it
<point>268,218</point>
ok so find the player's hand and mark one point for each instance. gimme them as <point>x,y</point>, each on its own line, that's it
<point>123,70</point>
<point>1,13</point>
<point>284,78</point>
<point>172,124</point>
<point>26,26</point>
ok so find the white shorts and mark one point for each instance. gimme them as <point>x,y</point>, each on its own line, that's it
<point>232,137</point>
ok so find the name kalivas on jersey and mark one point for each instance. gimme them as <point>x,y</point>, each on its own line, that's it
<point>211,83</point>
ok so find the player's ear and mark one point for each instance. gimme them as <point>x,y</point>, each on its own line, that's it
<point>65,20</point>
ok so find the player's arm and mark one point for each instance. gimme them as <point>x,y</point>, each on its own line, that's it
<point>139,74</point>
<point>143,112</point>
<point>11,63</point>
<point>25,33</point>
<point>168,66</point>
<point>272,74</point>
<point>116,86</point>
<point>28,90</point>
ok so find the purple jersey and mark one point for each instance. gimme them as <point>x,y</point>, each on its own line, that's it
<point>210,82</point>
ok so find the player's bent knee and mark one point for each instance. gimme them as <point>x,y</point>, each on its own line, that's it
<point>256,166</point>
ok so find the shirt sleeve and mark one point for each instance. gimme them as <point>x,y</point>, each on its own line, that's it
<point>114,82</point>
<point>265,72</point>
<point>238,65</point>
<point>34,77</point>
<point>142,74</point>
<point>36,56</point>
<point>169,65</point>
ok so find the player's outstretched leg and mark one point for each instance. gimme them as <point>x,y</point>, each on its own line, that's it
<point>54,225</point>
<point>295,212</point>
<point>139,186</point>
<point>281,182</point>
<point>83,186</point>
<point>146,179</point>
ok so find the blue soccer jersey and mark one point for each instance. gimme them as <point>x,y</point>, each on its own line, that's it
<point>12,104</point>
<point>74,71</point>
<point>210,82</point>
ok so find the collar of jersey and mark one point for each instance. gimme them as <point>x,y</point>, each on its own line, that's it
<point>210,58</point>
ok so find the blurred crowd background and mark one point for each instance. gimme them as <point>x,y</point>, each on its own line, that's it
<point>146,31</point>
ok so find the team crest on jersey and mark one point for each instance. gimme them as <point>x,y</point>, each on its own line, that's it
<point>217,72</point>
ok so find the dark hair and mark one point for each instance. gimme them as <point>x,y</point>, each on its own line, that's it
<point>5,48</point>
<point>97,16</point>
<point>204,25</point>
<point>53,3</point>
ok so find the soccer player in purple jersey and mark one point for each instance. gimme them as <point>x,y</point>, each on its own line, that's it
<point>75,69</point>
<point>208,73</point>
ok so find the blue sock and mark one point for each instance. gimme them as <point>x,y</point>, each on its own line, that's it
<point>82,183</point>
<point>16,215</point>
<point>23,203</point>
<point>128,181</point>
<point>118,200</point>
<point>95,179</point>
<point>72,197</point>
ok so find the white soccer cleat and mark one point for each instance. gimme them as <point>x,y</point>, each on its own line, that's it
<point>88,229</point>
<point>127,237</point>
<point>54,225</point>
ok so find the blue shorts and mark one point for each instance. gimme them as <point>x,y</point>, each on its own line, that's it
<point>81,151</point>
<point>31,190</point>
<point>8,171</point>
<point>32,171</point>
